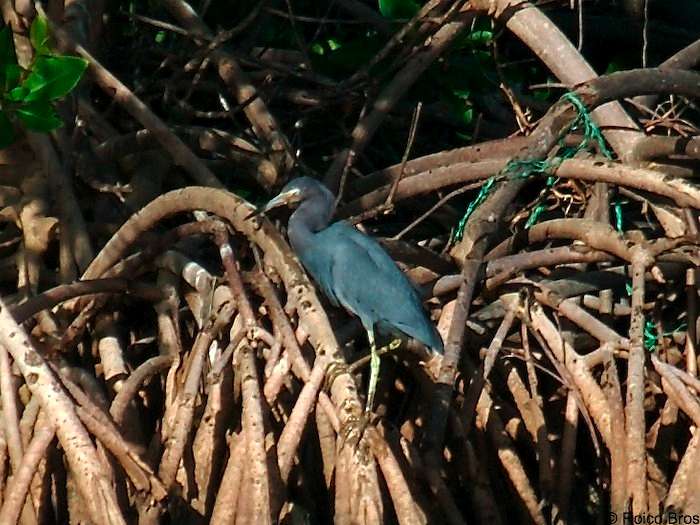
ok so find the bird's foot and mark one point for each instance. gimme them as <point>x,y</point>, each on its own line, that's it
<point>433,365</point>
<point>393,345</point>
<point>353,430</point>
<point>334,370</point>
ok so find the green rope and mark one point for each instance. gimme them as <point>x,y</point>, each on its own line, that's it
<point>535,215</point>
<point>651,337</point>
<point>481,197</point>
<point>617,209</point>
<point>524,169</point>
<point>591,132</point>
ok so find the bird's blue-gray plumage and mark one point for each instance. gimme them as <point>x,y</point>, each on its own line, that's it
<point>352,269</point>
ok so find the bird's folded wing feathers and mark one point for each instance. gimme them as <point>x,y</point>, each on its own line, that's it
<point>362,263</point>
<point>358,274</point>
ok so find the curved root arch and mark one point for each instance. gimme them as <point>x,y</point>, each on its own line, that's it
<point>312,316</point>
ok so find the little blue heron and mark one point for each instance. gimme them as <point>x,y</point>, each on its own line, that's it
<point>353,270</point>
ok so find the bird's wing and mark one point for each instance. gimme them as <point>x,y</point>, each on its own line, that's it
<point>382,262</point>
<point>318,261</point>
<point>367,281</point>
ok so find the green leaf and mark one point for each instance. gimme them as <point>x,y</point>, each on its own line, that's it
<point>462,94</point>
<point>613,66</point>
<point>481,37</point>
<point>17,94</point>
<point>12,75</point>
<point>160,37</point>
<point>39,116</point>
<point>7,132</point>
<point>468,115</point>
<point>336,58</point>
<point>334,43</point>
<point>39,35</point>
<point>53,77</point>
<point>398,8</point>
<point>8,58</point>
<point>7,48</point>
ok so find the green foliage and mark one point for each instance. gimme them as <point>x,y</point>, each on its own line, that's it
<point>398,8</point>
<point>53,77</point>
<point>8,60</point>
<point>481,37</point>
<point>613,66</point>
<point>39,116</point>
<point>39,35</point>
<point>27,95</point>
<point>338,57</point>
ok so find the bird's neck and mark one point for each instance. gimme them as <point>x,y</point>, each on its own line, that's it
<point>304,223</point>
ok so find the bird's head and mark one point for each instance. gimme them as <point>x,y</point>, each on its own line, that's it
<point>300,190</point>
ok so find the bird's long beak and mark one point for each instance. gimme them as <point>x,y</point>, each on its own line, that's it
<point>283,199</point>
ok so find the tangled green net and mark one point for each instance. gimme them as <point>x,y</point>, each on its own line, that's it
<point>524,169</point>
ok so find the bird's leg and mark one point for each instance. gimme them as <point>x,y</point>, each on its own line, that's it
<point>333,371</point>
<point>374,364</point>
<point>394,344</point>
